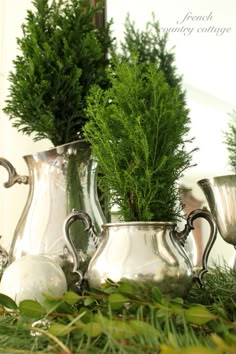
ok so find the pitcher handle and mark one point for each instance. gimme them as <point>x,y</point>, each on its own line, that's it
<point>72,217</point>
<point>182,236</point>
<point>13,175</point>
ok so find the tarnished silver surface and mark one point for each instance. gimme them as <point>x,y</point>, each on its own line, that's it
<point>150,252</point>
<point>220,193</point>
<point>60,179</point>
<point>3,259</point>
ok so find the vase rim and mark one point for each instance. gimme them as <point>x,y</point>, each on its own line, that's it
<point>59,147</point>
<point>139,223</point>
<point>215,178</point>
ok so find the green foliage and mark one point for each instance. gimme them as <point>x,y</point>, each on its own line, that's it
<point>220,288</point>
<point>145,321</point>
<point>150,46</point>
<point>62,54</point>
<point>7,302</point>
<point>137,129</point>
<point>139,126</point>
<point>230,140</point>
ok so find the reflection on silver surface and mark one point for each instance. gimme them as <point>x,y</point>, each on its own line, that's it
<point>3,259</point>
<point>220,193</point>
<point>150,252</point>
<point>60,179</point>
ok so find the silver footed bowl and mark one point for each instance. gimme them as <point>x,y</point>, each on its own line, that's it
<point>220,193</point>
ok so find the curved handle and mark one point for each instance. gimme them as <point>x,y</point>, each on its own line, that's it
<point>182,236</point>
<point>72,217</point>
<point>13,175</point>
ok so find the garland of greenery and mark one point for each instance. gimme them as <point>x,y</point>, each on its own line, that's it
<point>126,318</point>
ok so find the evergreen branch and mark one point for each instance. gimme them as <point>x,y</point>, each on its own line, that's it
<point>139,169</point>
<point>62,54</point>
<point>128,317</point>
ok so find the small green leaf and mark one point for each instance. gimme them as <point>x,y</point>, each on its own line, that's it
<point>89,301</point>
<point>118,329</point>
<point>143,328</point>
<point>115,328</point>
<point>31,308</point>
<point>60,330</point>
<point>87,314</point>
<point>52,297</point>
<point>71,297</point>
<point>58,306</point>
<point>7,302</point>
<point>79,324</point>
<point>126,288</point>
<point>163,313</point>
<point>198,315</point>
<point>51,305</point>
<point>177,310</point>
<point>117,300</point>
<point>92,329</point>
<point>177,300</point>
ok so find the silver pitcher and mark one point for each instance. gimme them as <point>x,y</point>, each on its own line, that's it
<point>59,179</point>
<point>148,252</point>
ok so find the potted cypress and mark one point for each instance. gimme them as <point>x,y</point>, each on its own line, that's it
<point>62,53</point>
<point>146,93</point>
<point>138,132</point>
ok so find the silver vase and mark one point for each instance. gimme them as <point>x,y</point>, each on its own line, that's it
<point>151,253</point>
<point>60,179</point>
<point>220,193</point>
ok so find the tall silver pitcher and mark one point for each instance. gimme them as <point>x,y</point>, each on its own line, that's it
<point>60,179</point>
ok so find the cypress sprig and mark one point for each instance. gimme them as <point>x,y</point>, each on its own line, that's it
<point>150,45</point>
<point>137,130</point>
<point>62,54</point>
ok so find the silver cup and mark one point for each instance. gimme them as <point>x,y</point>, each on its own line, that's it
<point>220,193</point>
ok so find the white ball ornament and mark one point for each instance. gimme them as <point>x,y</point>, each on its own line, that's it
<point>30,276</point>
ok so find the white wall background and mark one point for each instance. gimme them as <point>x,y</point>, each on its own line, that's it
<point>206,60</point>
